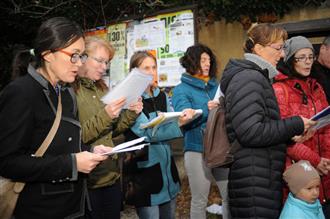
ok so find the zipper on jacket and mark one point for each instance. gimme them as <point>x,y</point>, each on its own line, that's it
<point>166,165</point>
<point>205,89</point>
<point>320,154</point>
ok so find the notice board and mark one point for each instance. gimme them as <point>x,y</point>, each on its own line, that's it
<point>166,35</point>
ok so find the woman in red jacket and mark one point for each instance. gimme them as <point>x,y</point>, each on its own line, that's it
<point>299,94</point>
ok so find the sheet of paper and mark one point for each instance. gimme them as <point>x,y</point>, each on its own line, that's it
<point>218,94</point>
<point>167,117</point>
<point>132,87</point>
<point>125,145</point>
<point>132,148</point>
<point>322,118</point>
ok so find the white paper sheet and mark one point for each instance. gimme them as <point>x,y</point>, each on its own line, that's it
<point>218,94</point>
<point>165,118</point>
<point>127,146</point>
<point>132,87</point>
<point>322,118</point>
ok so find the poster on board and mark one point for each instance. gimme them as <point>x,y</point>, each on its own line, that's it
<point>117,37</point>
<point>165,35</point>
<point>98,31</point>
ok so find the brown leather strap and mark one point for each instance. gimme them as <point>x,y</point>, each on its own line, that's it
<point>42,149</point>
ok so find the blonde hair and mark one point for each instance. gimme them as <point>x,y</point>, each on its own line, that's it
<point>263,34</point>
<point>93,42</point>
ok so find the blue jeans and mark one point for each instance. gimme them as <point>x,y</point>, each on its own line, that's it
<point>163,211</point>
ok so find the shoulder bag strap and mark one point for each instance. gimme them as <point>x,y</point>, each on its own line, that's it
<point>42,149</point>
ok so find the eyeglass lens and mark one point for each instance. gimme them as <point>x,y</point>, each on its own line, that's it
<point>75,57</point>
<point>305,58</point>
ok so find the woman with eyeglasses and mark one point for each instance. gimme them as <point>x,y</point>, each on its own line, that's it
<point>299,94</point>
<point>253,119</point>
<point>100,123</point>
<point>55,183</point>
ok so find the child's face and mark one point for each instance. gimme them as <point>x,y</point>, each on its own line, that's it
<point>310,192</point>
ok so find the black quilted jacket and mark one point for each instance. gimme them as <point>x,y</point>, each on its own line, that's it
<point>253,118</point>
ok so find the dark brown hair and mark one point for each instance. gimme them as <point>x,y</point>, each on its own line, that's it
<point>53,34</point>
<point>191,59</point>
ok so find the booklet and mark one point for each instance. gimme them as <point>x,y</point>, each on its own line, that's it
<point>167,117</point>
<point>322,118</point>
<point>132,87</point>
<point>128,146</point>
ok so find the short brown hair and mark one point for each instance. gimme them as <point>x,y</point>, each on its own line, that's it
<point>263,34</point>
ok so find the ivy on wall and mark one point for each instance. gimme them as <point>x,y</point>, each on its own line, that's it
<point>20,18</point>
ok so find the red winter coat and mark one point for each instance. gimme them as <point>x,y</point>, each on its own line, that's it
<point>305,98</point>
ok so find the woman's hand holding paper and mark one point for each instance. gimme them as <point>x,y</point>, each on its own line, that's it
<point>101,149</point>
<point>87,161</point>
<point>186,116</point>
<point>137,107</point>
<point>114,108</point>
<point>212,104</point>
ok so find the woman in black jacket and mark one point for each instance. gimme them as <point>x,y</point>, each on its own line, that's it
<point>55,187</point>
<point>253,118</point>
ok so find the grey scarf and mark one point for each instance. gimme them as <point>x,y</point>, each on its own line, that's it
<point>263,64</point>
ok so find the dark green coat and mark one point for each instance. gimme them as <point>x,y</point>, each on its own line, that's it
<point>98,128</point>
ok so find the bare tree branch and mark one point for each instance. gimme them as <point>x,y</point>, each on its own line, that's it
<point>102,10</point>
<point>35,14</point>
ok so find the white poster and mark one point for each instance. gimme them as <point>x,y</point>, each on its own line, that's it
<point>130,43</point>
<point>181,35</point>
<point>117,70</point>
<point>117,37</point>
<point>169,72</point>
<point>149,35</point>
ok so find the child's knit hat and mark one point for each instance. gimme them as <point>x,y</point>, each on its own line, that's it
<point>299,174</point>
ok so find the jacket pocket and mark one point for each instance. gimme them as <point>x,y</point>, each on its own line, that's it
<point>58,188</point>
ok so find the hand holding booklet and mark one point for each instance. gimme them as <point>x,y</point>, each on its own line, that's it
<point>322,118</point>
<point>167,117</point>
<point>132,87</point>
<point>128,146</point>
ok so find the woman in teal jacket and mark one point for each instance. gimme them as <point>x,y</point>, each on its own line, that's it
<point>197,90</point>
<point>153,176</point>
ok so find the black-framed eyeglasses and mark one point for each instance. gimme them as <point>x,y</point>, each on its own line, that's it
<point>305,58</point>
<point>75,57</point>
<point>101,61</point>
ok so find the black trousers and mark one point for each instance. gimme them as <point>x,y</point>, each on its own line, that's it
<point>326,209</point>
<point>106,202</point>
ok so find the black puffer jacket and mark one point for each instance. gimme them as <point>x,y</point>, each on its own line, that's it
<point>253,118</point>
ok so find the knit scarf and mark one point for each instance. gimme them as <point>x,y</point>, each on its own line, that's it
<point>263,64</point>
